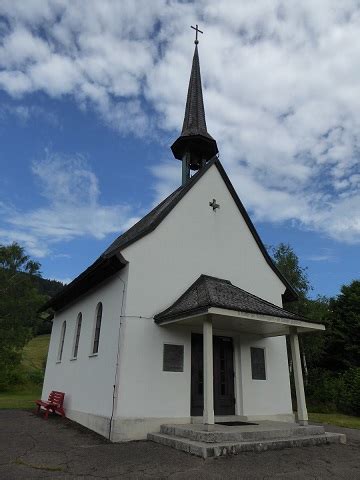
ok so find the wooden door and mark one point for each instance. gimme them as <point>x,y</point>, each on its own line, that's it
<point>224,398</point>
<point>223,352</point>
<point>197,377</point>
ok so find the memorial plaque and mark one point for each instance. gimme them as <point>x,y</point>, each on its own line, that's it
<point>173,360</point>
<point>258,363</point>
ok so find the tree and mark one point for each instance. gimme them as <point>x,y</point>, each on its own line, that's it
<point>312,346</point>
<point>19,303</point>
<point>288,263</point>
<point>343,334</point>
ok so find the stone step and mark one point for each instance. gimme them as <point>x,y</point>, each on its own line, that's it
<point>206,449</point>
<point>235,434</point>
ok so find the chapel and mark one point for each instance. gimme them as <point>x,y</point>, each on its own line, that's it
<point>180,321</point>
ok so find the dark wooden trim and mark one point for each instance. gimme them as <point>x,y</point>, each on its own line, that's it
<point>98,272</point>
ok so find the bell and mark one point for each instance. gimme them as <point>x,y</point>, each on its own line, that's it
<point>195,162</point>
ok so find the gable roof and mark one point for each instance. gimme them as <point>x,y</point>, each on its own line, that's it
<point>207,292</point>
<point>147,224</point>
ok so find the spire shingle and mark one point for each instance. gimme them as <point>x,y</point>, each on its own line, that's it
<point>195,139</point>
<point>194,119</point>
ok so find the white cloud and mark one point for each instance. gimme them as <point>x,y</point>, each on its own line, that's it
<point>71,208</point>
<point>25,113</point>
<point>281,83</point>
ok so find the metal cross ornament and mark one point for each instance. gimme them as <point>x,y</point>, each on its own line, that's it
<point>213,204</point>
<point>197,31</point>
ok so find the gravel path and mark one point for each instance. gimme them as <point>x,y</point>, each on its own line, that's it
<point>32,448</point>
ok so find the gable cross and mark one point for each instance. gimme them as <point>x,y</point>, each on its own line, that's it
<point>213,204</point>
<point>197,31</point>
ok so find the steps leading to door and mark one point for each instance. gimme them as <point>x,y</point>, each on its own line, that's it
<point>225,440</point>
<point>256,433</point>
<point>206,450</point>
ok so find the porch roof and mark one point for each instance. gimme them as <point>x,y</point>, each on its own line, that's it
<point>232,308</point>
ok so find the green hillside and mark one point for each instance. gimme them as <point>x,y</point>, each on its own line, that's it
<point>35,353</point>
<point>33,363</point>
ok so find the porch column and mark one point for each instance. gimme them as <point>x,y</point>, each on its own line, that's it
<point>302,416</point>
<point>208,418</point>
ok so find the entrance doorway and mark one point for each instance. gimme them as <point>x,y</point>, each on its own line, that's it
<point>223,354</point>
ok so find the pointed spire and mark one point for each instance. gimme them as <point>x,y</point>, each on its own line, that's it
<point>195,146</point>
<point>194,119</point>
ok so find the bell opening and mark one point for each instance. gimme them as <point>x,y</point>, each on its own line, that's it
<point>196,162</point>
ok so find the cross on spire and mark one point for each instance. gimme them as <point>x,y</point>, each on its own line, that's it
<point>197,31</point>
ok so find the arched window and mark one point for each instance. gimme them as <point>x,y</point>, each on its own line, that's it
<point>77,335</point>
<point>99,310</point>
<point>62,339</point>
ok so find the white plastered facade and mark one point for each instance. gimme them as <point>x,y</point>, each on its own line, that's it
<point>192,240</point>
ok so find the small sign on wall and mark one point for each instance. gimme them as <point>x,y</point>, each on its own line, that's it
<point>173,358</point>
<point>258,363</point>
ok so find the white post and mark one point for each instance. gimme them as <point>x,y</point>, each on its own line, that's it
<point>208,418</point>
<point>302,416</point>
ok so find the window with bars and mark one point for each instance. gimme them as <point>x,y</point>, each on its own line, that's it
<point>99,310</point>
<point>62,339</point>
<point>258,363</point>
<point>77,335</point>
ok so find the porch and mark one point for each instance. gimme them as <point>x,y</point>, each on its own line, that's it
<point>213,306</point>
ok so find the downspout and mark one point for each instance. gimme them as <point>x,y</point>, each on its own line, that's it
<point>115,392</point>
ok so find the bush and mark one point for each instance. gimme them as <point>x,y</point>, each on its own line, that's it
<point>10,370</point>
<point>349,398</point>
<point>323,390</point>
<point>36,377</point>
<point>329,392</point>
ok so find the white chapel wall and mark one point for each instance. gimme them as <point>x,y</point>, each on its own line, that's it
<point>87,381</point>
<point>268,397</point>
<point>190,241</point>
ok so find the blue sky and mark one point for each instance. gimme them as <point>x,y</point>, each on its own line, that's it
<point>91,101</point>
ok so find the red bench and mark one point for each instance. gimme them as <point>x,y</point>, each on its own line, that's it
<point>53,404</point>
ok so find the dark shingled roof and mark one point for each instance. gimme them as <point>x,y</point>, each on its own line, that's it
<point>194,118</point>
<point>194,136</point>
<point>148,223</point>
<point>102,269</point>
<point>106,263</point>
<point>207,292</point>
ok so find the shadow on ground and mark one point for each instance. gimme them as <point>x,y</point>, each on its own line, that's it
<point>33,448</point>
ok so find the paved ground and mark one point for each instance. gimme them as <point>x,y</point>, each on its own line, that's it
<point>32,448</point>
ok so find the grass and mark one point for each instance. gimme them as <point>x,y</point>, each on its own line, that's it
<point>22,396</point>
<point>35,353</point>
<point>338,419</point>
<point>34,356</point>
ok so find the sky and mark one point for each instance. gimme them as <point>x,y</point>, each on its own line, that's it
<point>92,94</point>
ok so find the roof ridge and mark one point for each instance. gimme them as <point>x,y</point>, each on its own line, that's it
<point>264,301</point>
<point>204,279</point>
<point>193,285</point>
<point>211,277</point>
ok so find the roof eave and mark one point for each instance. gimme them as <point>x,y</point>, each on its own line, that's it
<point>102,269</point>
<point>202,145</point>
<point>299,322</point>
